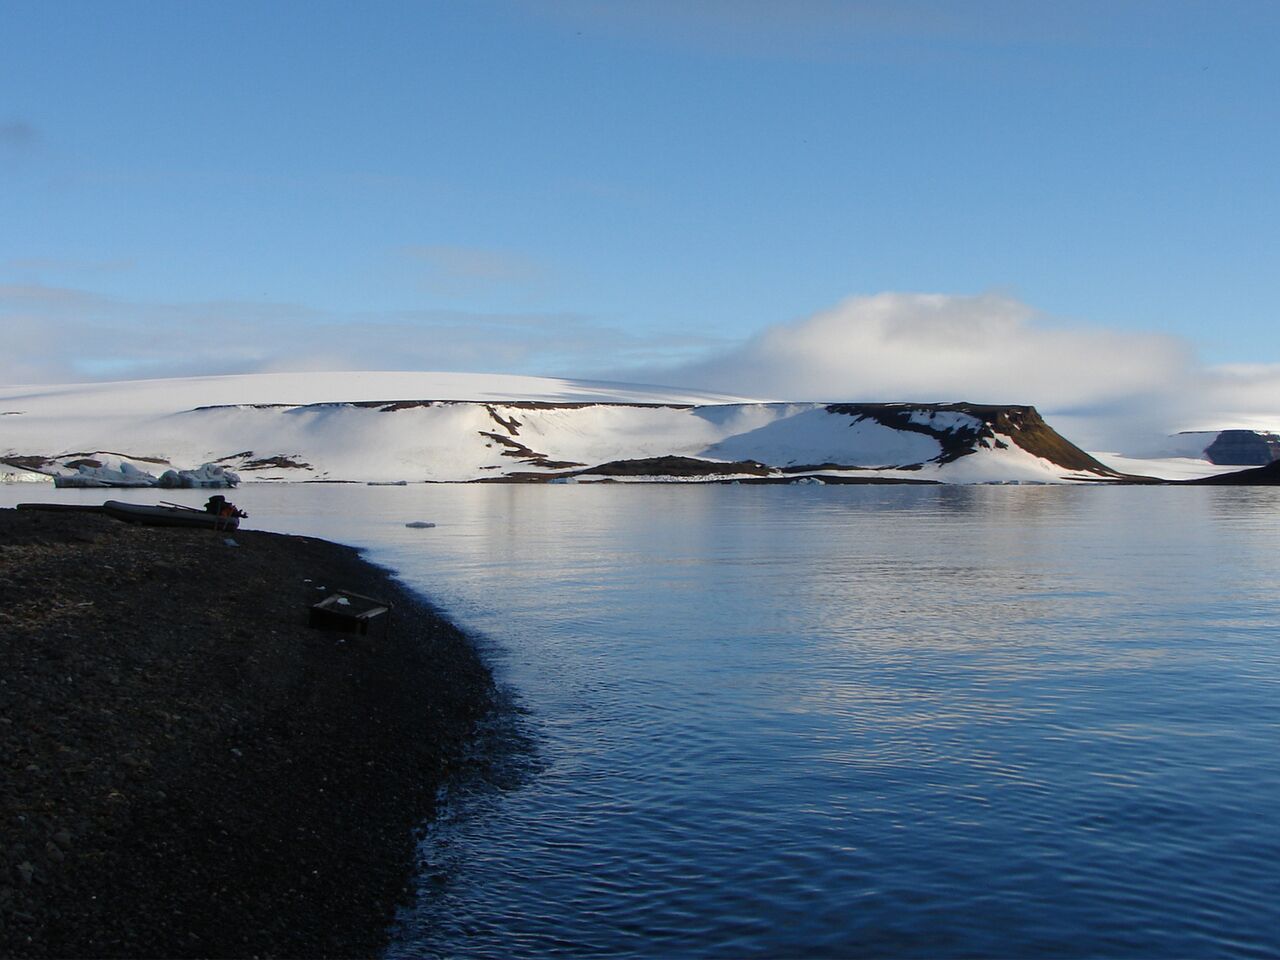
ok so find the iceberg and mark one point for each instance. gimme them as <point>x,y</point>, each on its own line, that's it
<point>99,475</point>
<point>207,475</point>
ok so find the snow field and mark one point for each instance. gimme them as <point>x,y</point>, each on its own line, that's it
<point>312,423</point>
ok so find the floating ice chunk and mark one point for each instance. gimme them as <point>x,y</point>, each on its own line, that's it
<point>10,474</point>
<point>125,475</point>
<point>206,475</point>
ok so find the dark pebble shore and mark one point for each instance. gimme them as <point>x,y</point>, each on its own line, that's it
<point>188,769</point>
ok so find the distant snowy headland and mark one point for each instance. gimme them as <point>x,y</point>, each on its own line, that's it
<point>450,427</point>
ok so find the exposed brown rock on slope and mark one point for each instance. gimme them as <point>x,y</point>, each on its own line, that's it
<point>1021,423</point>
<point>186,769</point>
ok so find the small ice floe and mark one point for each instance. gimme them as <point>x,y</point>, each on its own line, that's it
<point>10,474</point>
<point>419,524</point>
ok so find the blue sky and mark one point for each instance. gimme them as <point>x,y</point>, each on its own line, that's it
<point>585,187</point>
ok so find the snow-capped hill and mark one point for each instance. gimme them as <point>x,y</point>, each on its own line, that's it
<point>470,427</point>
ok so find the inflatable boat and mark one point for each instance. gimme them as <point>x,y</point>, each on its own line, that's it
<point>168,516</point>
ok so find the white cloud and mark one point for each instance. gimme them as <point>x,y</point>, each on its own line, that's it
<point>933,346</point>
<point>56,334</point>
<point>1106,389</point>
<point>1242,395</point>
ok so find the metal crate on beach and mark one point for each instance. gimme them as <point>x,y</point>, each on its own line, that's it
<point>347,612</point>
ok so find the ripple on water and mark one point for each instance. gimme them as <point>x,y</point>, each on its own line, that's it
<point>850,721</point>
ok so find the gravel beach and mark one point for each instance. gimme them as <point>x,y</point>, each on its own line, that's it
<point>188,769</point>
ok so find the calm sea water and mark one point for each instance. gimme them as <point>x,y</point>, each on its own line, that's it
<point>848,721</point>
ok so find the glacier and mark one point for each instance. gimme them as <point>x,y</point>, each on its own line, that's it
<point>450,427</point>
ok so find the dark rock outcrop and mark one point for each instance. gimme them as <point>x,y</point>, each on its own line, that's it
<point>1257,477</point>
<point>1244,448</point>
<point>1021,424</point>
<point>676,467</point>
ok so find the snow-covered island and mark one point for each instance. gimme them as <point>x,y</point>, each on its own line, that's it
<point>435,427</point>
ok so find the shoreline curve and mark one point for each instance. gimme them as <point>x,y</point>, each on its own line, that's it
<point>191,770</point>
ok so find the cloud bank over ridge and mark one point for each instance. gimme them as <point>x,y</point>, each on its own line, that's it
<point>1106,388</point>
<point>936,347</point>
<point>65,335</point>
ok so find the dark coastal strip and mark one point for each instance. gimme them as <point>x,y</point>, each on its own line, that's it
<point>186,768</point>
<point>1265,476</point>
